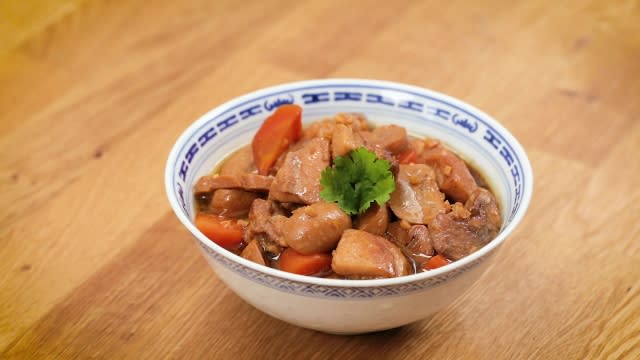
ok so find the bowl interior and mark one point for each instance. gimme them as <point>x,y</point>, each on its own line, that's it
<point>475,136</point>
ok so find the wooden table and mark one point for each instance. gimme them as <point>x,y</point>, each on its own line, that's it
<point>95,265</point>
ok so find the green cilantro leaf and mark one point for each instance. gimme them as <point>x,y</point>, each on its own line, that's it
<point>356,180</point>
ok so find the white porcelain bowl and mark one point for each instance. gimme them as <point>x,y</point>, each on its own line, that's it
<point>351,306</point>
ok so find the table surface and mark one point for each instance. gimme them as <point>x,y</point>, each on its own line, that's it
<point>94,263</point>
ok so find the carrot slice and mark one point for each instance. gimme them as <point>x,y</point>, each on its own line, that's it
<point>437,261</point>
<point>275,135</point>
<point>222,231</point>
<point>294,262</point>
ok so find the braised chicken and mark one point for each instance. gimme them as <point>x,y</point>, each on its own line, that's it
<point>395,204</point>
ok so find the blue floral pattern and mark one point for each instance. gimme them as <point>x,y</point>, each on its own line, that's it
<point>314,290</point>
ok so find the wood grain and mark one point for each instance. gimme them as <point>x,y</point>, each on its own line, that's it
<point>94,265</point>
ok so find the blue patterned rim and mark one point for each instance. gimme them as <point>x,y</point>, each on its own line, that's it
<point>336,292</point>
<point>194,147</point>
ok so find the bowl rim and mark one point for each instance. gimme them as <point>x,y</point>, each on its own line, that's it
<point>318,281</point>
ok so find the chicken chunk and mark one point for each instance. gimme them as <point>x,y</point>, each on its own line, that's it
<point>415,239</point>
<point>417,198</point>
<point>266,223</point>
<point>253,252</point>
<point>240,162</point>
<point>360,253</point>
<point>452,174</point>
<point>420,246</point>
<point>316,228</point>
<point>398,232</point>
<point>483,207</point>
<point>231,203</point>
<point>255,182</point>
<point>375,220</point>
<point>344,140</point>
<point>325,128</point>
<point>210,183</point>
<point>250,182</point>
<point>298,180</point>
<point>460,233</point>
<point>392,138</point>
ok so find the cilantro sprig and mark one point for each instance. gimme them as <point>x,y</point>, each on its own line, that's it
<point>356,180</point>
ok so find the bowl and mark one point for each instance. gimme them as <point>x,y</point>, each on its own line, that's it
<point>351,306</point>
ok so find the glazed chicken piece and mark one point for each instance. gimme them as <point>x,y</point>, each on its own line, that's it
<point>344,140</point>
<point>240,162</point>
<point>375,220</point>
<point>315,228</point>
<point>253,252</point>
<point>229,195</point>
<point>231,203</point>
<point>363,254</point>
<point>419,244</point>
<point>465,230</point>
<point>249,182</point>
<point>417,198</point>
<point>266,223</point>
<point>298,180</point>
<point>237,172</point>
<point>231,192</point>
<point>392,138</point>
<point>452,174</point>
<point>415,239</point>
<point>324,128</point>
